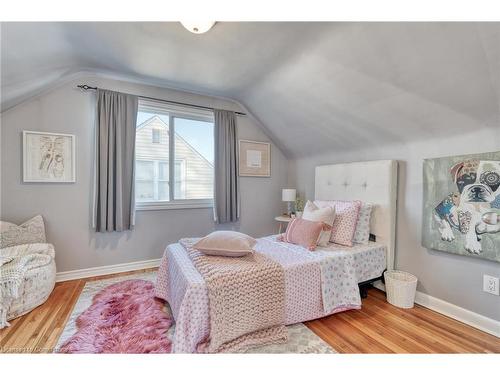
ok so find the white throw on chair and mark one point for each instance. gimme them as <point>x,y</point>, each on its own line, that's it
<point>27,268</point>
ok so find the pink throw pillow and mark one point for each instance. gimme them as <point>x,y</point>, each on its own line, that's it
<point>344,226</point>
<point>226,243</point>
<point>303,232</point>
<point>325,215</point>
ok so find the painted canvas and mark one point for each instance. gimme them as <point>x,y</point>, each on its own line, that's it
<point>461,205</point>
<point>48,157</point>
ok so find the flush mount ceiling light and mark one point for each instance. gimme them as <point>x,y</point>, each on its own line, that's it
<point>198,27</point>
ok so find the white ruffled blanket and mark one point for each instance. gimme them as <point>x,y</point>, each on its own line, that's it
<point>15,261</point>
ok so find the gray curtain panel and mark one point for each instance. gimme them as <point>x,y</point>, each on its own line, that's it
<point>114,175</point>
<point>226,193</point>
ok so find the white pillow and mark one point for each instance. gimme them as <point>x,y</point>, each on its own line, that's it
<point>226,243</point>
<point>31,231</point>
<point>326,215</point>
<point>362,232</point>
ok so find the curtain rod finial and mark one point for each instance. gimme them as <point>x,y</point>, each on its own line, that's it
<point>86,87</point>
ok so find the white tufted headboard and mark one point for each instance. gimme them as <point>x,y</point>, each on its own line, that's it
<point>372,182</point>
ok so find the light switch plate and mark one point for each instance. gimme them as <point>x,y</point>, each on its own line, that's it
<point>490,284</point>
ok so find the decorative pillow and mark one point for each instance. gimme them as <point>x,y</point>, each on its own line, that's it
<point>362,232</point>
<point>303,232</point>
<point>226,243</point>
<point>31,231</point>
<point>325,215</point>
<point>346,217</point>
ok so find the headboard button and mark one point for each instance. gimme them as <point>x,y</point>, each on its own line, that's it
<point>365,185</point>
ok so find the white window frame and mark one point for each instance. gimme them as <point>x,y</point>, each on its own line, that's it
<point>173,111</point>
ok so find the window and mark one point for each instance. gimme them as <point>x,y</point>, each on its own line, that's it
<point>180,179</point>
<point>151,181</point>
<point>144,180</point>
<point>173,172</point>
<point>156,135</point>
<point>163,188</point>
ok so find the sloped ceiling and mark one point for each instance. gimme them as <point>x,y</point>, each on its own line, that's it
<point>316,87</point>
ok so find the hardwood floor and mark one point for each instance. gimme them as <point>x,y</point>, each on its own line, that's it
<point>380,327</point>
<point>377,328</point>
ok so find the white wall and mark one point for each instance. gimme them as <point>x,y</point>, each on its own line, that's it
<point>453,278</point>
<point>66,208</point>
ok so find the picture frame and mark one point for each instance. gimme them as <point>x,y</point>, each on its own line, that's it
<point>461,205</point>
<point>49,157</point>
<point>254,158</point>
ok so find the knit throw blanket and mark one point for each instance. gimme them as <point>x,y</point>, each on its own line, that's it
<point>246,300</point>
<point>15,261</point>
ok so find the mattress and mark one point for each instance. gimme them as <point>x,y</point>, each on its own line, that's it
<point>182,286</point>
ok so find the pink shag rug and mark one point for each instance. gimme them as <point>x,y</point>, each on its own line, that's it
<point>124,318</point>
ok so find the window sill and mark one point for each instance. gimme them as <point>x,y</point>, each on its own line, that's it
<point>177,205</point>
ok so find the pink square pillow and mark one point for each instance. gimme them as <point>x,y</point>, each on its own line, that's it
<point>325,215</point>
<point>226,243</point>
<point>302,232</point>
<point>344,226</point>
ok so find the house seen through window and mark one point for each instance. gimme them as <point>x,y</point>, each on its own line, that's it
<point>173,169</point>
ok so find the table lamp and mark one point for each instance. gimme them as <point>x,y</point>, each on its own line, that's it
<point>288,195</point>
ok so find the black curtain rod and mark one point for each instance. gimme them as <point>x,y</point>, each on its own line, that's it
<point>87,87</point>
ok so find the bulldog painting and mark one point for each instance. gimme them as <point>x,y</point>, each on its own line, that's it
<point>461,212</point>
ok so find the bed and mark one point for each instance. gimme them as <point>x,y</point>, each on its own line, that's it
<point>306,273</point>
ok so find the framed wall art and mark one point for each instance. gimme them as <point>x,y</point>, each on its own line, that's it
<point>254,159</point>
<point>48,157</point>
<point>461,205</point>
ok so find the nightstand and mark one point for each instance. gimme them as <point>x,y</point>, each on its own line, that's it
<point>282,220</point>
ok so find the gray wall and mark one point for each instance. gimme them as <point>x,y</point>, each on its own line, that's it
<point>453,278</point>
<point>67,207</point>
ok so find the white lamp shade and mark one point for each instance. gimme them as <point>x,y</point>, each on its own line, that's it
<point>288,195</point>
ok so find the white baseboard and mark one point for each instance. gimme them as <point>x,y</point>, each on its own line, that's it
<point>106,270</point>
<point>468,317</point>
